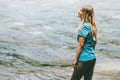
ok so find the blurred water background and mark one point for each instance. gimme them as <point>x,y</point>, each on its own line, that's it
<point>37,35</point>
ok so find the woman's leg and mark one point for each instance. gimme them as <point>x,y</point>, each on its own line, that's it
<point>78,71</point>
<point>89,69</point>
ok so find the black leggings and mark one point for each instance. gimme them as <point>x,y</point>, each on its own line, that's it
<point>84,69</point>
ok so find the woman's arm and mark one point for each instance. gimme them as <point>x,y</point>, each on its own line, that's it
<point>78,50</point>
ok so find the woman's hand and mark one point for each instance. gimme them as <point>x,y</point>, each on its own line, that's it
<point>75,64</point>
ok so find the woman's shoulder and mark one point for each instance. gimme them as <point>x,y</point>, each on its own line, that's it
<point>86,26</point>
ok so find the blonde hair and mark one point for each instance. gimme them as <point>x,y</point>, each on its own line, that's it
<point>88,16</point>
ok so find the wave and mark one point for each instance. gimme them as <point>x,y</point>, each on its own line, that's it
<point>26,60</point>
<point>48,27</point>
<point>17,26</point>
<point>116,17</point>
<point>35,32</point>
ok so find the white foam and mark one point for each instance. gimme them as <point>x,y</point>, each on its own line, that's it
<point>116,17</point>
<point>18,24</point>
<point>35,32</point>
<point>48,27</point>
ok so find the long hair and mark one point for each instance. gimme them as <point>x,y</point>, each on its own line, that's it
<point>88,16</point>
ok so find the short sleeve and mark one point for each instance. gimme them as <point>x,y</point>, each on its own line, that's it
<point>84,30</point>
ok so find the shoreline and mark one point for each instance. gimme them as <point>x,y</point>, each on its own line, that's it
<point>107,70</point>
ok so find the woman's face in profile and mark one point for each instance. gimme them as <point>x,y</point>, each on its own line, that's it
<point>80,13</point>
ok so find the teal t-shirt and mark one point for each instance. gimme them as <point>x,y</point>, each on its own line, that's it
<point>88,52</point>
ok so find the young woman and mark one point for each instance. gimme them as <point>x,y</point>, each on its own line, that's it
<point>85,52</point>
